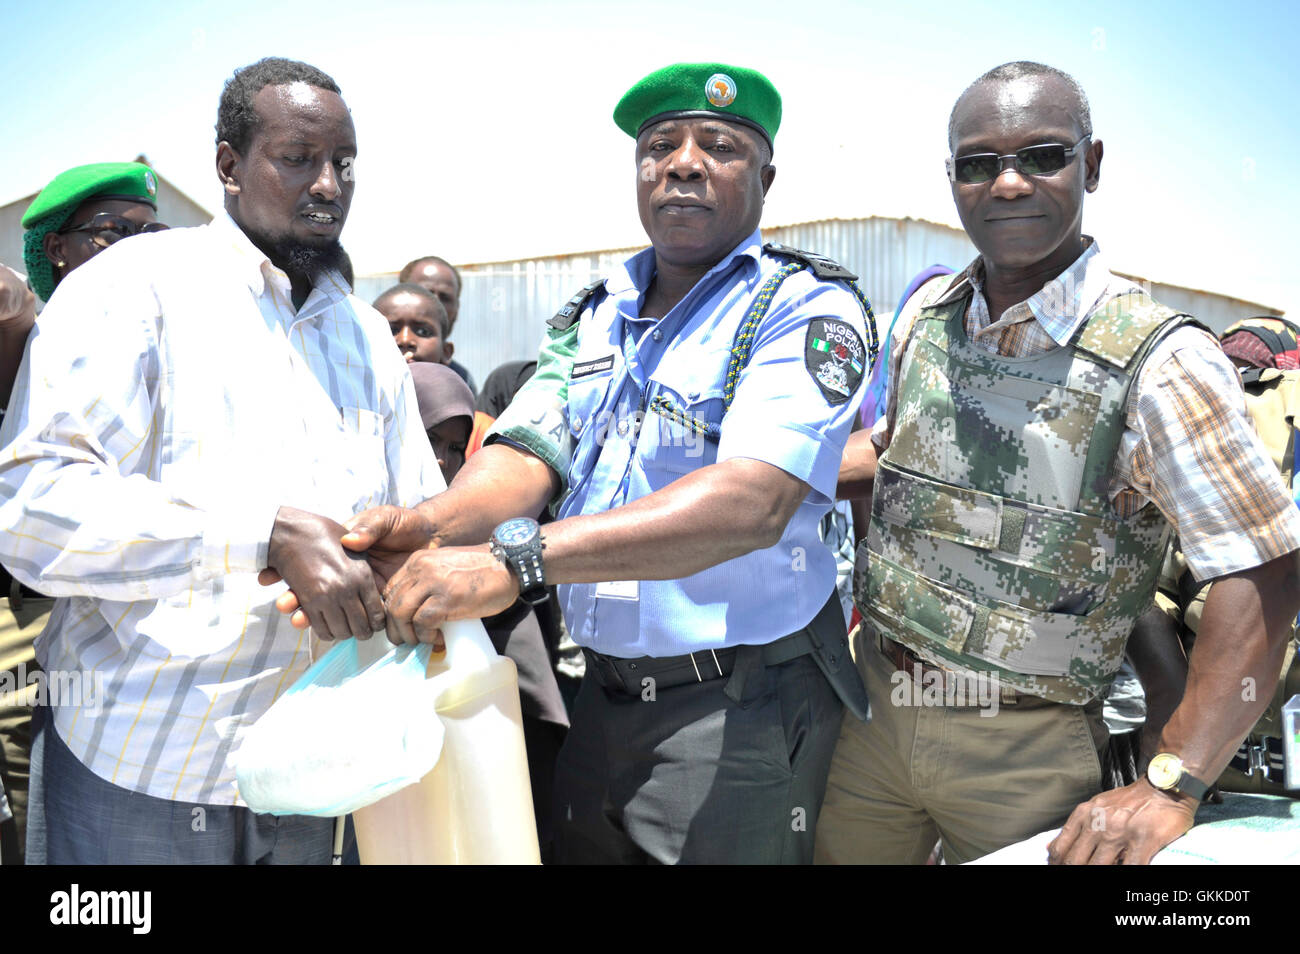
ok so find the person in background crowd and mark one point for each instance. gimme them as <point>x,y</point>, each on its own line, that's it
<point>196,411</point>
<point>446,409</point>
<point>440,277</point>
<point>503,384</point>
<point>418,322</point>
<point>17,316</point>
<point>81,212</point>
<point>498,391</point>
<point>1043,416</point>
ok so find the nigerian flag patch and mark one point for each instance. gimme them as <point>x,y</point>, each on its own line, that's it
<point>835,357</point>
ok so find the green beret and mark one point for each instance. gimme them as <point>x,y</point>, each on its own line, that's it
<point>58,200</point>
<point>701,89</point>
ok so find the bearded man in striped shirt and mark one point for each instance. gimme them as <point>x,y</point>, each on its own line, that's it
<point>199,410</point>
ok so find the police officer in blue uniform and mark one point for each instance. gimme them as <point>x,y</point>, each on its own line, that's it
<point>686,421</point>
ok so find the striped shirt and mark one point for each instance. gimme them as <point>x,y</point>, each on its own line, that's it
<point>1188,447</point>
<point>172,400</point>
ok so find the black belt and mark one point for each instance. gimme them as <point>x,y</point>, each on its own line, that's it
<point>625,675</point>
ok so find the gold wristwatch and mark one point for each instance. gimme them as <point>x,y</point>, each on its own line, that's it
<point>1165,772</point>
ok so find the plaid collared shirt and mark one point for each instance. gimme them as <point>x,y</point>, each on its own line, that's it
<point>1188,447</point>
<point>172,400</point>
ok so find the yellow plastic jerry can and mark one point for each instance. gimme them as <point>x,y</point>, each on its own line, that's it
<point>475,806</point>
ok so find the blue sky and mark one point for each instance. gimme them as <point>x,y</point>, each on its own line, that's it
<point>485,131</point>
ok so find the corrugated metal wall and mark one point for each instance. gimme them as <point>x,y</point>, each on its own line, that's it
<point>504,305</point>
<point>886,253</point>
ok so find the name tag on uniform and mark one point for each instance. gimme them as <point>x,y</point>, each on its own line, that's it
<point>592,367</point>
<point>618,590</point>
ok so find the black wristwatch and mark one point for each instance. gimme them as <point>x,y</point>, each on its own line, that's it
<point>1165,772</point>
<point>518,544</point>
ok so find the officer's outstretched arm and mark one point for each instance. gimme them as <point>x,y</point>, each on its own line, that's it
<point>502,480</point>
<point>715,514</point>
<point>498,482</point>
<point>1231,671</point>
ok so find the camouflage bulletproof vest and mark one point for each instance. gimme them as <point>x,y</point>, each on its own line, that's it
<point>992,545</point>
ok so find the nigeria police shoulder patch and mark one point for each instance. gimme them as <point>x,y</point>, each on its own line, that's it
<point>834,355</point>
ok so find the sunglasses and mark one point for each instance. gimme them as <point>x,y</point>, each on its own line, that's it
<point>1041,160</point>
<point>105,228</point>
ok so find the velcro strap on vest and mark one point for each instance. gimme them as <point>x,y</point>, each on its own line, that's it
<point>1011,530</point>
<point>1117,332</point>
<point>997,524</point>
<point>1009,637</point>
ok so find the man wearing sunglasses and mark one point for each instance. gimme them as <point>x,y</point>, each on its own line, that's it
<point>80,211</point>
<point>1046,423</point>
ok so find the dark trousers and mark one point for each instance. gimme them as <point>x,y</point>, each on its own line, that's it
<point>732,770</point>
<point>89,821</point>
<point>21,621</point>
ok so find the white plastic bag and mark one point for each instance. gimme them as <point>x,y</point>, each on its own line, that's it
<point>346,734</point>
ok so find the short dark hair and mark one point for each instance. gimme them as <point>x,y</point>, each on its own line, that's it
<point>1019,70</point>
<point>405,274</point>
<point>419,291</point>
<point>236,118</point>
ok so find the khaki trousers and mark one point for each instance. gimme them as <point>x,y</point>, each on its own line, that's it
<point>977,778</point>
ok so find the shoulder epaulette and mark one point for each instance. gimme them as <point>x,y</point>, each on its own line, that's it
<point>821,266</point>
<point>936,289</point>
<point>566,316</point>
<point>1122,330</point>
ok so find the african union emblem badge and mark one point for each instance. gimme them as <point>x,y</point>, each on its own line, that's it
<point>150,183</point>
<point>835,357</point>
<point>720,90</point>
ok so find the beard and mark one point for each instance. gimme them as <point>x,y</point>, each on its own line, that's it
<point>298,258</point>
<point>313,261</point>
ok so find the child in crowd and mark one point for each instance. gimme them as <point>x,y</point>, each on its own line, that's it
<point>447,412</point>
<point>419,323</point>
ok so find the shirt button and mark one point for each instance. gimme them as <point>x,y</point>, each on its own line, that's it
<point>622,428</point>
<point>658,335</point>
<point>577,423</point>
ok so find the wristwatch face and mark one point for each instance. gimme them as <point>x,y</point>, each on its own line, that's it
<point>515,532</point>
<point>1164,771</point>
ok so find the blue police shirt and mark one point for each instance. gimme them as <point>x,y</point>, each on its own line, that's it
<point>779,415</point>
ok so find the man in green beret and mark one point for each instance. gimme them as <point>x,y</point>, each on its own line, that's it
<point>80,212</point>
<point>686,423</point>
<point>83,211</point>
